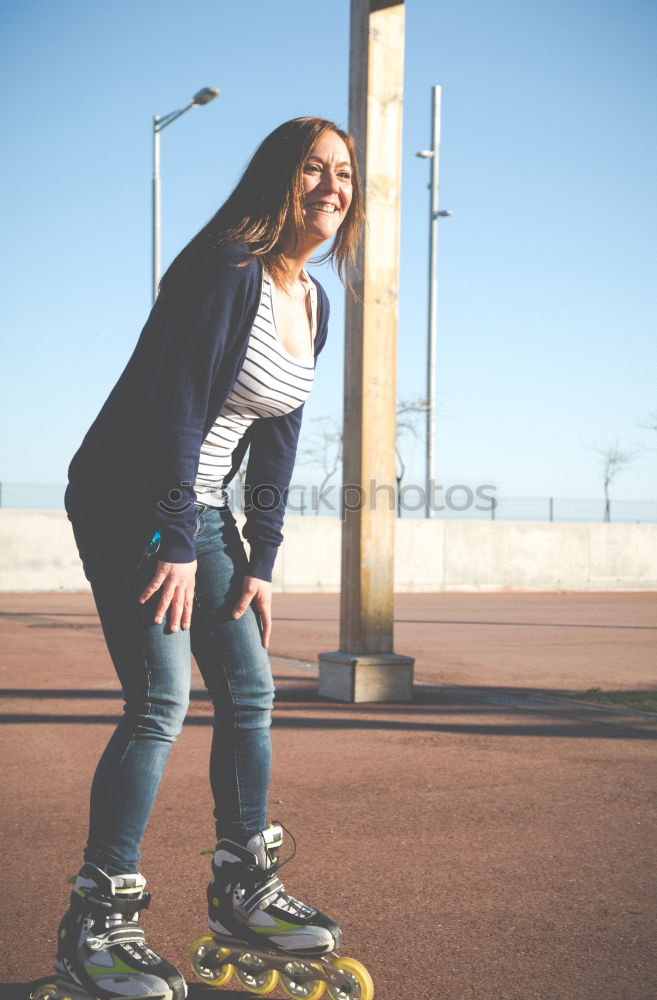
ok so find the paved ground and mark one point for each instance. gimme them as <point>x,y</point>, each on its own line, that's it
<point>492,840</point>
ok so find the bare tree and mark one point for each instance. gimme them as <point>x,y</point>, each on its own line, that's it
<point>650,423</point>
<point>325,449</point>
<point>408,421</point>
<point>325,445</point>
<point>614,460</point>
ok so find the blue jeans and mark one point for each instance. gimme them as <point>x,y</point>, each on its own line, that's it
<point>154,668</point>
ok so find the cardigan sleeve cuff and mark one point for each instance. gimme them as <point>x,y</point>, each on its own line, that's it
<point>261,563</point>
<point>177,537</point>
<point>176,551</point>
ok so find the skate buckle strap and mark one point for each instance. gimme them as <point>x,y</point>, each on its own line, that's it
<point>262,895</point>
<point>114,904</point>
<point>117,935</point>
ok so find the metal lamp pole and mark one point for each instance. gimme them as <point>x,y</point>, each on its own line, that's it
<point>160,122</point>
<point>434,155</point>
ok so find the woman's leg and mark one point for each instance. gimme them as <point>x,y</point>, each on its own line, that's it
<point>237,673</point>
<point>153,666</point>
<point>246,899</point>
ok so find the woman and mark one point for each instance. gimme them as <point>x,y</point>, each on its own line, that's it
<point>224,363</point>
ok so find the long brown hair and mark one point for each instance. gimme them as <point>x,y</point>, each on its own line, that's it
<point>268,193</point>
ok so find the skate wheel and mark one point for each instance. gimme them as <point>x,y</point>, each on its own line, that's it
<point>306,986</point>
<point>358,985</point>
<point>48,991</point>
<point>256,977</point>
<point>208,961</point>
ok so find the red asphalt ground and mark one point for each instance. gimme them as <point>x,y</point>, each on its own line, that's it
<point>492,840</point>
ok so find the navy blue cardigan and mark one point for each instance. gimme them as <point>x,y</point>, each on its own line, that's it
<point>136,467</point>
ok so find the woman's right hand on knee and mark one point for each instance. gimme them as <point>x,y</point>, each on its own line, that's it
<point>177,583</point>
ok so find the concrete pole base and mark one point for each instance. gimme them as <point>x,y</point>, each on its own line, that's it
<point>356,677</point>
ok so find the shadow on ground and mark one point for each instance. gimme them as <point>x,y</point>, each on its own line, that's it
<point>197,991</point>
<point>434,709</point>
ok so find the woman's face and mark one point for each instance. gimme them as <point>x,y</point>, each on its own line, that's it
<point>327,187</point>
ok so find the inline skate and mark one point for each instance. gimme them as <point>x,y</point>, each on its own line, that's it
<point>266,937</point>
<point>102,952</point>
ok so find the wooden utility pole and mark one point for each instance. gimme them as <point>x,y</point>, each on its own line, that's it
<point>365,668</point>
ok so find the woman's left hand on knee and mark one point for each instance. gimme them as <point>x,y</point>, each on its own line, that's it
<point>257,592</point>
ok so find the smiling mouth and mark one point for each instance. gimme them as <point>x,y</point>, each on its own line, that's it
<point>320,206</point>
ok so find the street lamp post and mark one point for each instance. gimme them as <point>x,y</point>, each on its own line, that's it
<point>434,155</point>
<point>160,122</point>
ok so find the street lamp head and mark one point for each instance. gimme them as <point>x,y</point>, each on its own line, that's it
<point>425,154</point>
<point>206,95</point>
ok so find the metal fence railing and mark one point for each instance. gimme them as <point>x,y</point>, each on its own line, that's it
<point>574,509</point>
<point>304,502</point>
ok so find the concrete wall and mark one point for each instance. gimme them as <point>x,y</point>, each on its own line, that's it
<point>37,552</point>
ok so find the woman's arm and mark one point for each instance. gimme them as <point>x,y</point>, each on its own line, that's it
<point>197,360</point>
<point>196,344</point>
<point>272,452</point>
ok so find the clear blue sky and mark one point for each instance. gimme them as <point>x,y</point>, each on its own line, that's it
<point>548,298</point>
